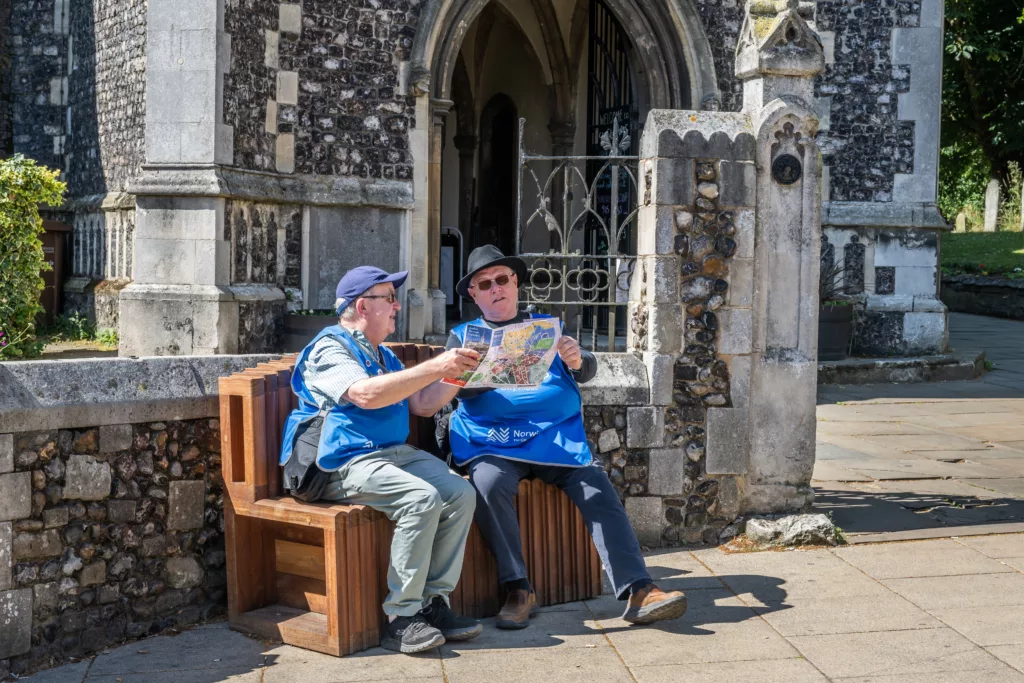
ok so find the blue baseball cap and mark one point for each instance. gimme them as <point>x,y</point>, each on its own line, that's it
<point>357,281</point>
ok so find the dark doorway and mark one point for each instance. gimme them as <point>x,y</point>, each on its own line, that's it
<point>496,202</point>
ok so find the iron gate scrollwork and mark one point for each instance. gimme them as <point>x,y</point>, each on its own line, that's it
<point>584,276</point>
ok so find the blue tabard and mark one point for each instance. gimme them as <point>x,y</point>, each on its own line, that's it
<point>542,425</point>
<point>348,430</point>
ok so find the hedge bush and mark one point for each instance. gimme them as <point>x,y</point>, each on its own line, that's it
<point>24,186</point>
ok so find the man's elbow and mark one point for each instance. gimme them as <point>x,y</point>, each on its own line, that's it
<point>363,400</point>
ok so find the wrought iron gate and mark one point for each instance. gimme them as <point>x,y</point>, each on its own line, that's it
<point>584,281</point>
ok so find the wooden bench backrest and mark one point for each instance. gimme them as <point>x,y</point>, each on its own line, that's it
<point>254,405</point>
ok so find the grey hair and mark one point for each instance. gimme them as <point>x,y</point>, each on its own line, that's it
<point>349,314</point>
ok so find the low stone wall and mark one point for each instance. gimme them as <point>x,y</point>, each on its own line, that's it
<point>111,503</point>
<point>982,295</point>
<point>111,497</point>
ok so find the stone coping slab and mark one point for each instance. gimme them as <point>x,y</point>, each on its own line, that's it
<point>68,394</point>
<point>966,365</point>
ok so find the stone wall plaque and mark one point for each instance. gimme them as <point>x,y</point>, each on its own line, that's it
<point>786,169</point>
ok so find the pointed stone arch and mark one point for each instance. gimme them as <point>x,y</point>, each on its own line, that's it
<point>674,55</point>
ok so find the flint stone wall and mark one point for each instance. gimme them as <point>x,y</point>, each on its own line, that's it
<point>111,511</point>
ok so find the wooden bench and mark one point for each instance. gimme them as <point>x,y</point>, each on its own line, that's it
<point>314,575</point>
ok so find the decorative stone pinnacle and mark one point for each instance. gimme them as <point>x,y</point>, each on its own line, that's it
<point>777,41</point>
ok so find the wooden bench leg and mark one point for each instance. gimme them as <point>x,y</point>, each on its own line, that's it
<point>249,581</point>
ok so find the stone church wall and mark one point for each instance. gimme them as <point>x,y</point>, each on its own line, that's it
<point>106,96</point>
<point>38,35</point>
<point>314,87</point>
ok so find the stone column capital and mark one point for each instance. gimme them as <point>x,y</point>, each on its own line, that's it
<point>440,108</point>
<point>563,133</point>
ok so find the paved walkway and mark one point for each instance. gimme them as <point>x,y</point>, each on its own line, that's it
<point>920,460</point>
<point>929,612</point>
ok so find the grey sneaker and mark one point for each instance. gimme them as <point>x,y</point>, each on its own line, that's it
<point>411,635</point>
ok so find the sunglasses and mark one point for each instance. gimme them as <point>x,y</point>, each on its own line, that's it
<point>390,298</point>
<point>485,285</point>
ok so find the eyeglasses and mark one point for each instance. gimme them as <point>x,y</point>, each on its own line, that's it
<point>485,285</point>
<point>390,298</point>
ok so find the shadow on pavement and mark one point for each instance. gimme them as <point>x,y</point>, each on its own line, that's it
<point>860,512</point>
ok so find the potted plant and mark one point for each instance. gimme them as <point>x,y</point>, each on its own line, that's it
<point>301,326</point>
<point>835,316</point>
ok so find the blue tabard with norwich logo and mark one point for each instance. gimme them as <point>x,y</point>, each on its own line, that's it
<point>348,430</point>
<point>542,425</point>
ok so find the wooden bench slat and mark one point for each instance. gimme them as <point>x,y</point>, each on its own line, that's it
<point>299,559</point>
<point>302,592</point>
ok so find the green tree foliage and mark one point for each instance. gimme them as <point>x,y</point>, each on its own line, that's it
<point>982,98</point>
<point>23,187</point>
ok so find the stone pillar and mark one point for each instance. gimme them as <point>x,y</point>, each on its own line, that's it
<point>438,111</point>
<point>777,59</point>
<point>179,301</point>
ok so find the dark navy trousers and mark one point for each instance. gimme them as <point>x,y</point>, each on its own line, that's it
<point>496,481</point>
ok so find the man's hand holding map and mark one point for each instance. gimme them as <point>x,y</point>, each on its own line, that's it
<point>514,356</point>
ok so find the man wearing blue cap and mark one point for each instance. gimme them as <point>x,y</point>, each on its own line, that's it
<point>346,442</point>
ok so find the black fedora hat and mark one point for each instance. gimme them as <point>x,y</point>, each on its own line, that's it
<point>485,257</point>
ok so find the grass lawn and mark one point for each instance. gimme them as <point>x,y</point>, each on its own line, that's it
<point>994,253</point>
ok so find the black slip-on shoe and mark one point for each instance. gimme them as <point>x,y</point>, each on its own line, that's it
<point>452,626</point>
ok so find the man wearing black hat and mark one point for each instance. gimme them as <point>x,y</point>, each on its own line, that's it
<point>346,442</point>
<point>503,436</point>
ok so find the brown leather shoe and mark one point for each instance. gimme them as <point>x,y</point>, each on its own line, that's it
<point>519,607</point>
<point>652,604</point>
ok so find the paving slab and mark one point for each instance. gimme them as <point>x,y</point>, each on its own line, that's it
<point>859,511</point>
<point>828,452</point>
<point>1003,674</point>
<point>573,665</point>
<point>1009,467</point>
<point>69,673</point>
<point>957,592</point>
<point>931,491</point>
<point>675,570</point>
<point>991,625</point>
<point>547,630</point>
<point>194,676</point>
<point>1007,486</point>
<point>922,558</point>
<point>937,533</point>
<point>927,442</point>
<point>773,580</point>
<point>836,428</point>
<point>724,631</point>
<point>925,468</point>
<point>999,510</point>
<point>996,546</point>
<point>895,653</point>
<point>830,470</point>
<point>991,432</point>
<point>207,649</point>
<point>852,614</point>
<point>766,671</point>
<point>286,664</point>
<point>969,420</point>
<point>1011,654</point>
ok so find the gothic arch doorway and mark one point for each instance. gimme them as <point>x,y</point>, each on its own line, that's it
<point>496,204</point>
<point>569,68</point>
